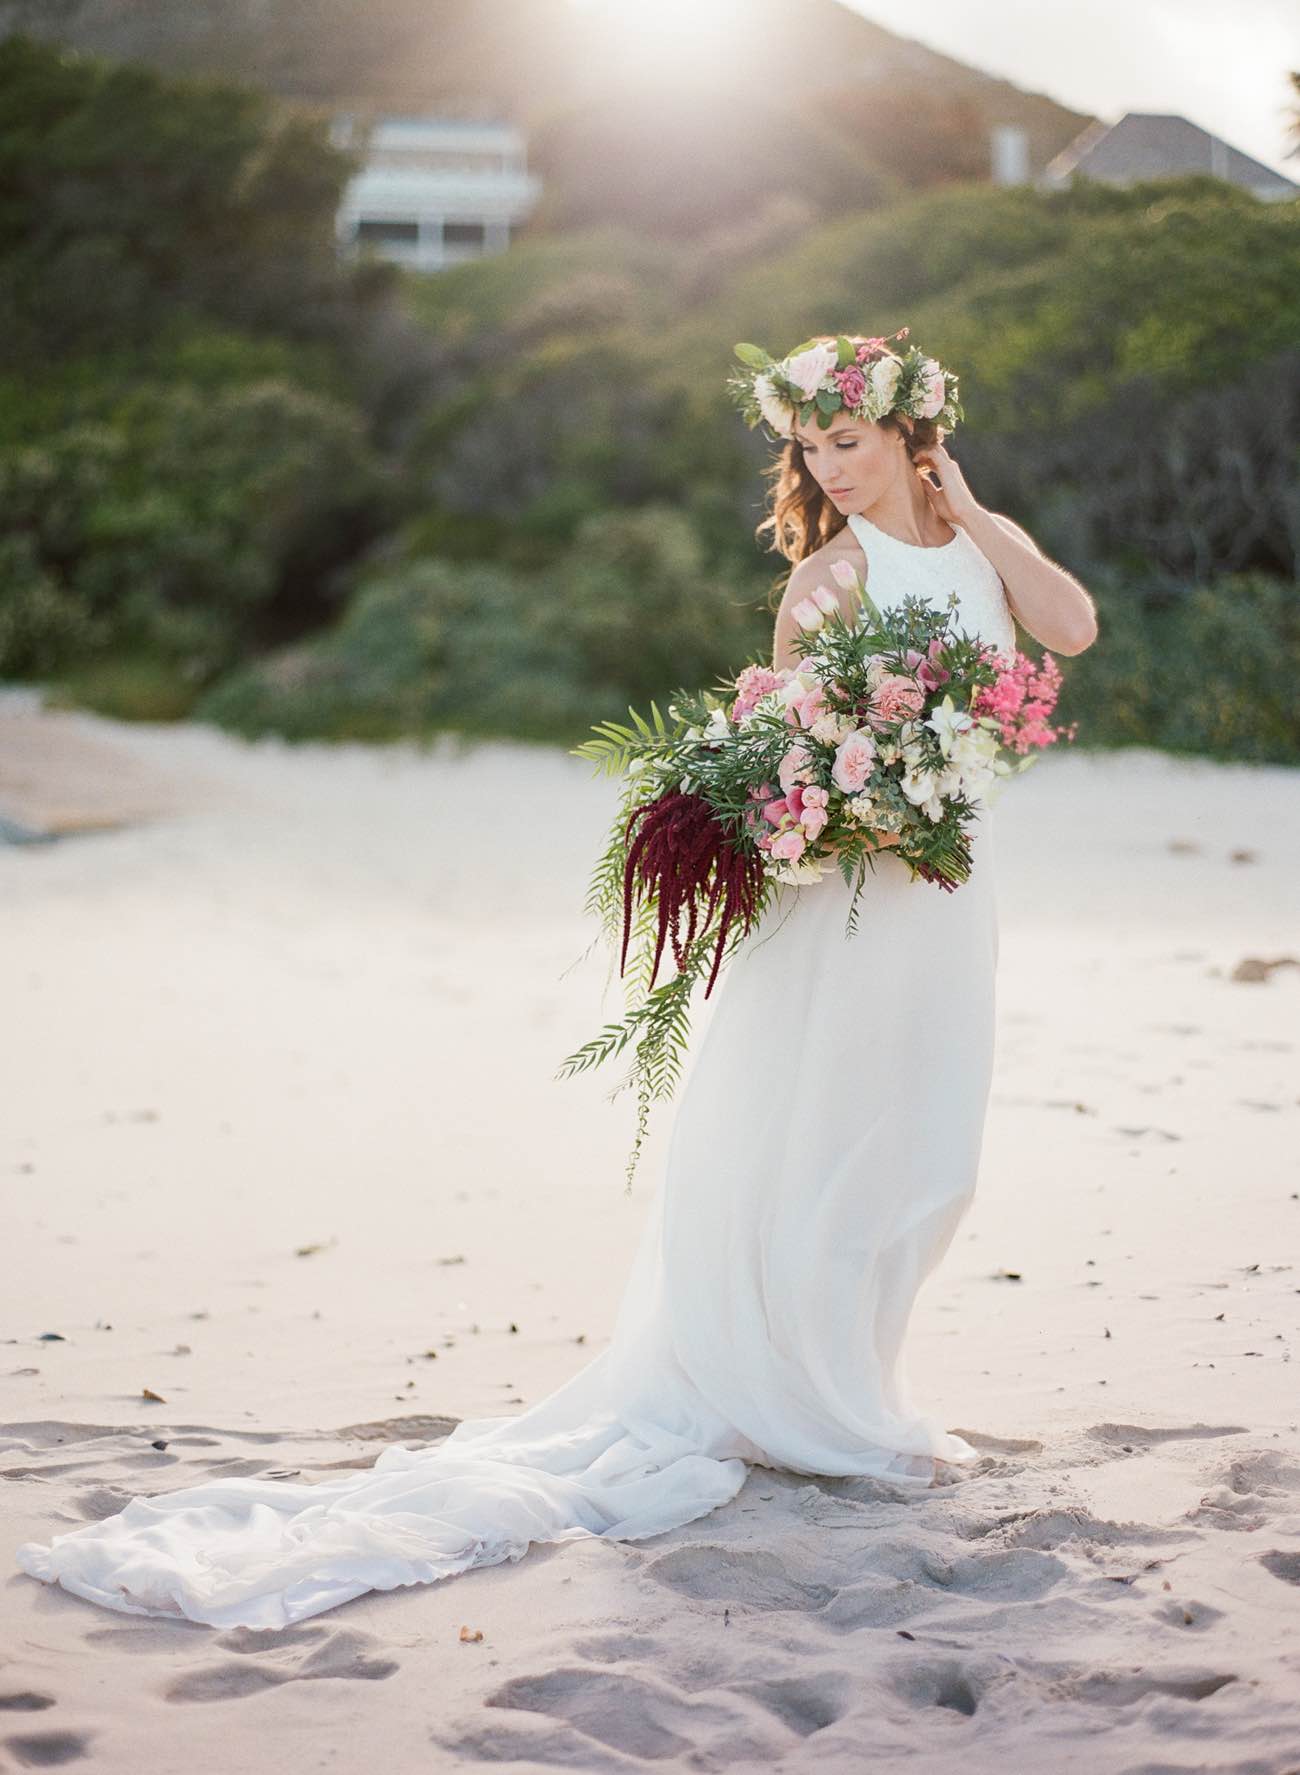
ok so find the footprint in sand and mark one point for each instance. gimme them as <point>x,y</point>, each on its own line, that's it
<point>46,1750</point>
<point>1282,1565</point>
<point>637,1716</point>
<point>1149,1435</point>
<point>343,1655</point>
<point>736,1576</point>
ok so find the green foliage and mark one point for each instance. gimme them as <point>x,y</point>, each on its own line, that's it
<point>178,525</point>
<point>488,648</point>
<point>128,197</point>
<point>1209,669</point>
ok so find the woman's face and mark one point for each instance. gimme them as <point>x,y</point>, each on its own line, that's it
<point>854,461</point>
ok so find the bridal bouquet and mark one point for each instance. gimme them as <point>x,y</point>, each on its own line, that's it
<point>898,723</point>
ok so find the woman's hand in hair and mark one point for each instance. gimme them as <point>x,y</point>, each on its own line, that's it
<point>951,500</point>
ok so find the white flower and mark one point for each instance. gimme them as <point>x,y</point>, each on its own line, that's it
<point>799,874</point>
<point>807,615</point>
<point>861,809</point>
<point>918,786</point>
<point>845,575</point>
<point>825,600</point>
<point>795,689</point>
<point>831,729</point>
<point>947,721</point>
<point>810,368</point>
<point>777,411</point>
<point>719,726</point>
<point>974,750</point>
<point>882,380</point>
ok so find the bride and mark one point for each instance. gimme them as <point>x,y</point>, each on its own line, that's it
<point>824,1150</point>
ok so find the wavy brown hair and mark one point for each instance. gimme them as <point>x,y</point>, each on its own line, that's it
<point>800,516</point>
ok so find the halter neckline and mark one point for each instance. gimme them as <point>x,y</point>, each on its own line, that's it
<point>921,548</point>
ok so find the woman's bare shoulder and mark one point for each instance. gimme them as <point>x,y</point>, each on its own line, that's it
<point>814,569</point>
<point>805,577</point>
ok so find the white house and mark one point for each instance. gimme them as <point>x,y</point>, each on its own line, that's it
<point>434,191</point>
<point>1154,145</point>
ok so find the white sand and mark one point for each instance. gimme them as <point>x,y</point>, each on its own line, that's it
<point>298,1002</point>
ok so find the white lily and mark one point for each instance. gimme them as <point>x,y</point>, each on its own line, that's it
<point>947,721</point>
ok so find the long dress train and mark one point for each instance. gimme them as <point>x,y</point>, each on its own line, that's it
<point>824,1150</point>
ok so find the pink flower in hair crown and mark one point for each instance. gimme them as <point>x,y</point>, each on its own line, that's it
<point>852,385</point>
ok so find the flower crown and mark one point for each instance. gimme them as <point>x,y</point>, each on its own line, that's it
<point>860,377</point>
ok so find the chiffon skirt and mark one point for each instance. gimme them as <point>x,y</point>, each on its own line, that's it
<point>824,1149</point>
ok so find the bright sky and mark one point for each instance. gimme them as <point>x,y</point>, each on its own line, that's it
<point>1220,63</point>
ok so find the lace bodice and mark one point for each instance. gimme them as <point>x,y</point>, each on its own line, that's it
<point>896,568</point>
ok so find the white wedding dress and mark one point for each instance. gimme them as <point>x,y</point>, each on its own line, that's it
<point>824,1149</point>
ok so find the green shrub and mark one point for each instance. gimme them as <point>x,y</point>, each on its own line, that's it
<point>1209,670</point>
<point>178,526</point>
<point>629,613</point>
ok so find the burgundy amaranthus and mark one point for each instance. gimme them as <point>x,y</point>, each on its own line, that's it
<point>679,843</point>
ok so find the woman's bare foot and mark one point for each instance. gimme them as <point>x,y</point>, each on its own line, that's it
<point>946,1472</point>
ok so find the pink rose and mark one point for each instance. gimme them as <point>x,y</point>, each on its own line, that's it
<point>855,759</point>
<point>810,368</point>
<point>815,796</point>
<point>811,706</point>
<point>796,767</point>
<point>813,820</point>
<point>790,846</point>
<point>852,385</point>
<point>894,699</point>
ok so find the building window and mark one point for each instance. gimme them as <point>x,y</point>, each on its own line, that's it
<point>462,234</point>
<point>387,233</point>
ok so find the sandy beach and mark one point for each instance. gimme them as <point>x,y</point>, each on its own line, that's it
<point>283,1147</point>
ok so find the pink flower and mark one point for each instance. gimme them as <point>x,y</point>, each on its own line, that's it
<point>855,758</point>
<point>775,811</point>
<point>930,674</point>
<point>870,350</point>
<point>894,699</point>
<point>790,846</point>
<point>810,368</point>
<point>815,796</point>
<point>934,389</point>
<point>753,683</point>
<point>852,385</point>
<point>796,767</point>
<point>809,707</point>
<point>813,820</point>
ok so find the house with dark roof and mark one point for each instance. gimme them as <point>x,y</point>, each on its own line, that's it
<point>1153,145</point>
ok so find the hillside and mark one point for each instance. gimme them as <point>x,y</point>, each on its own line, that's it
<point>671,124</point>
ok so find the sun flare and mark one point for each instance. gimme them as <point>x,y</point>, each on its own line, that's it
<point>661,29</point>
